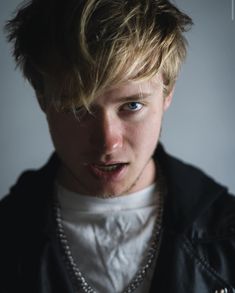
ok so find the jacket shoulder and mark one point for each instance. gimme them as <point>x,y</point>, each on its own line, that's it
<point>200,212</point>
<point>212,238</point>
<point>31,186</point>
<point>217,221</point>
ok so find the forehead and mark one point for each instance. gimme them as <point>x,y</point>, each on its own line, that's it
<point>131,88</point>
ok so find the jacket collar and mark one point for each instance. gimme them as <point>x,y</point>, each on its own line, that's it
<point>189,192</point>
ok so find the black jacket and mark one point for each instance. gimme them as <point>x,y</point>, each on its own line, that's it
<point>197,251</point>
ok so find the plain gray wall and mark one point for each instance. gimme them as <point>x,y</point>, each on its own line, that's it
<point>198,128</point>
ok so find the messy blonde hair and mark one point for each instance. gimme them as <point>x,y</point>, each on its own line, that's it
<point>73,50</point>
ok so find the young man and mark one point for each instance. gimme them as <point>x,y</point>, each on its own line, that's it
<point>111,211</point>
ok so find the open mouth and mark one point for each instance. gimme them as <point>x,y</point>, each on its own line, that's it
<point>109,171</point>
<point>109,168</point>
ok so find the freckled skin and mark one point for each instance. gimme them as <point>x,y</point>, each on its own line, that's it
<point>121,130</point>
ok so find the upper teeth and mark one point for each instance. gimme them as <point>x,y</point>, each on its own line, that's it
<point>108,168</point>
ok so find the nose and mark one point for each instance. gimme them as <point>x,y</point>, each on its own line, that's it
<point>107,134</point>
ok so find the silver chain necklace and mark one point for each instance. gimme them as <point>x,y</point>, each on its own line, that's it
<point>78,279</point>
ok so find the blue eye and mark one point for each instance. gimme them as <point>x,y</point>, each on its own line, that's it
<point>133,106</point>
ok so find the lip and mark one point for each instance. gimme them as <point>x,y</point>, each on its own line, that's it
<point>113,175</point>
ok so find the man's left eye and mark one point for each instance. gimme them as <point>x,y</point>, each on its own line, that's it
<point>133,106</point>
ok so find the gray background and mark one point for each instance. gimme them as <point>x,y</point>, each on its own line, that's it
<point>198,128</point>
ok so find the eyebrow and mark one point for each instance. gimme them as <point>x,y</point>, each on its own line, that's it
<point>134,97</point>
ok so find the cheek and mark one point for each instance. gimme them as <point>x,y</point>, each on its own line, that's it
<point>64,133</point>
<point>143,136</point>
<point>60,131</point>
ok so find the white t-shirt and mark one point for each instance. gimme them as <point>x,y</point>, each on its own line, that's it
<point>109,238</point>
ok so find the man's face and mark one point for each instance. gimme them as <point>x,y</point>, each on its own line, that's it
<point>109,152</point>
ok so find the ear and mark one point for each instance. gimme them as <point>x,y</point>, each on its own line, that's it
<point>168,100</point>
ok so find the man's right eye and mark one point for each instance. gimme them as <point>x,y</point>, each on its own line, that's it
<point>80,113</point>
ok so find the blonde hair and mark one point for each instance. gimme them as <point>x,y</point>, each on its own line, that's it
<point>72,51</point>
